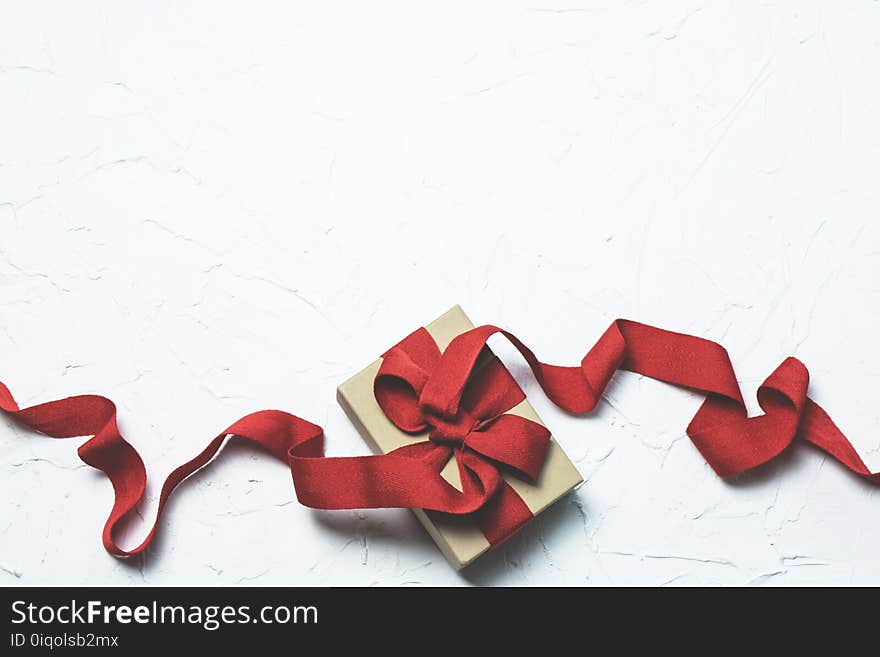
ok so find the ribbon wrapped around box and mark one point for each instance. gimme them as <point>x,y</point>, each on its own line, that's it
<point>460,402</point>
<point>495,431</point>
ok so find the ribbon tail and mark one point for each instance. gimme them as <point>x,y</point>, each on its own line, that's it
<point>517,442</point>
<point>408,477</point>
<point>108,451</point>
<point>503,516</point>
<point>728,439</point>
<point>819,429</point>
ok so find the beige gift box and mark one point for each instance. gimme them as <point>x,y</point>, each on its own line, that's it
<point>458,537</point>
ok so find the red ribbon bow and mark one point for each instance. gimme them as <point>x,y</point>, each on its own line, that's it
<point>419,388</point>
<point>478,430</point>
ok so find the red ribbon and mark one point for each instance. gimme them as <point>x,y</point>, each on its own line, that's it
<point>478,431</point>
<point>418,388</point>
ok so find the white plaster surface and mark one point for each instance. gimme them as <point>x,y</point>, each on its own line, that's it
<point>208,209</point>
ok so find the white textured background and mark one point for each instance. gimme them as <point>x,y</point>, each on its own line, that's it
<point>208,210</point>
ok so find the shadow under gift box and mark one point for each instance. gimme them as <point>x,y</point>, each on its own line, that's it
<point>458,537</point>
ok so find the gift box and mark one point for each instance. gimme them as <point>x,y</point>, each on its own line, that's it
<point>461,538</point>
